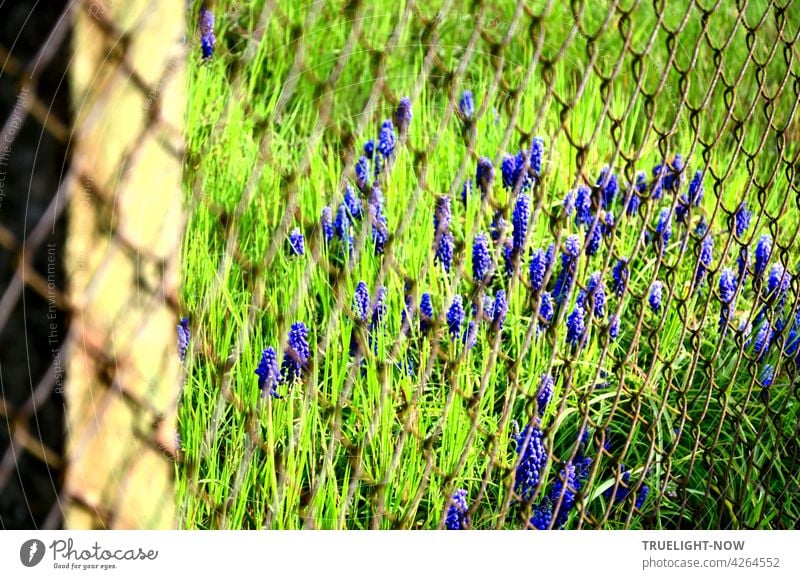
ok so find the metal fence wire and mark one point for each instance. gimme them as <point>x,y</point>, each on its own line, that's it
<point>674,424</point>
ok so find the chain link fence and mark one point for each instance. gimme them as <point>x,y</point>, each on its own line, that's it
<point>681,393</point>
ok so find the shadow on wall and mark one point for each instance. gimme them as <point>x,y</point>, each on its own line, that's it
<point>32,325</point>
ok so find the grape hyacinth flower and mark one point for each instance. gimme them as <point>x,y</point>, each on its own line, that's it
<point>269,375</point>
<point>361,302</point>
<point>184,335</point>
<point>763,251</point>
<point>532,458</point>
<point>509,170</point>
<point>583,206</point>
<point>569,202</point>
<point>544,393</point>
<point>369,149</point>
<point>623,487</point>
<point>546,311</point>
<point>466,190</point>
<point>207,38</point>
<point>620,275</point>
<point>403,115</point>
<point>488,308</point>
<point>380,231</point>
<point>538,269</point>
<point>444,251</point>
<point>762,341</point>
<point>362,173</point>
<point>353,203</point>
<point>497,227</point>
<point>609,187</point>
<point>455,317</point>
<point>777,285</point>
<point>727,291</point>
<point>519,220</point>
<point>425,313</point>
<point>457,513</point>
<point>326,224</point>
<point>296,243</point>
<point>484,175</point>
<point>742,219</point>
<point>537,152</point>
<point>663,229</point>
<point>704,263</point>
<point>654,299</point>
<point>466,105</point>
<point>481,257</point>
<point>613,327</point>
<point>596,294</point>
<point>499,311</point>
<point>386,139</point>
<point>575,326</point>
<point>295,358</point>
<point>595,237</point>
<point>695,193</point>
<point>442,215</point>
<point>508,257</point>
<point>341,227</point>
<point>542,515</point>
<point>564,490</point>
<point>641,496</point>
<point>378,308</point>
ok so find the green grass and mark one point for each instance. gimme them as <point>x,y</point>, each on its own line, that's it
<point>270,146</point>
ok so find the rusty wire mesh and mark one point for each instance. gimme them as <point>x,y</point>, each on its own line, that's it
<point>692,80</point>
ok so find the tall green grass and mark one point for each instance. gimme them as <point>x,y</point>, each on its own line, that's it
<point>269,146</point>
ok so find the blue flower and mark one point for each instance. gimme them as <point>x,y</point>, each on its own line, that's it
<point>572,249</point>
<point>207,39</point>
<point>613,327</point>
<point>542,515</point>
<point>508,257</point>
<point>583,206</point>
<point>269,374</point>
<point>369,148</point>
<point>361,302</point>
<point>763,251</point>
<point>519,219</point>
<point>499,311</point>
<point>386,139</point>
<point>727,291</point>
<point>362,173</point>
<point>509,170</point>
<point>377,165</point>
<point>620,275</point>
<point>379,308</point>
<point>403,115</point>
<point>442,214</point>
<point>342,226</point>
<point>742,219</point>
<point>777,284</point>
<point>595,237</point>
<point>296,243</point>
<point>481,257</point>
<point>663,229</point>
<point>184,335</point>
<point>596,294</point>
<point>641,496</point>
<point>696,189</point>
<point>353,203</point>
<point>444,251</point>
<point>575,326</point>
<point>458,512</point>
<point>706,255</point>
<point>295,357</point>
<point>425,313</point>
<point>538,269</point>
<point>484,175</point>
<point>762,341</point>
<point>532,458</point>
<point>569,202</point>
<point>701,227</point>
<point>466,190</point>
<point>565,488</point>
<point>545,310</point>
<point>380,231</point>
<point>537,152</point>
<point>655,296</point>
<point>455,317</point>
<point>544,393</point>
<point>609,187</point>
<point>623,487</point>
<point>467,104</point>
<point>498,226</point>
<point>326,223</point>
